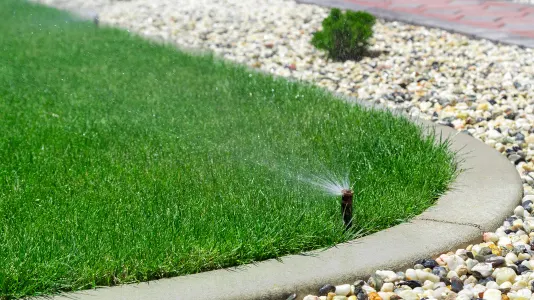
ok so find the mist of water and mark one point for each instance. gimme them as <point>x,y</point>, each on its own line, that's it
<point>323,179</point>
<point>329,183</point>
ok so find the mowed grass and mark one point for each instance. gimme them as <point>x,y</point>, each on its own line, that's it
<point>122,160</point>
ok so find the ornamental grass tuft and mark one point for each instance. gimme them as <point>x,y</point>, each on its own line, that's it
<point>345,35</point>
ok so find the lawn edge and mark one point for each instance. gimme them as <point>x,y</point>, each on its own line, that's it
<point>480,198</point>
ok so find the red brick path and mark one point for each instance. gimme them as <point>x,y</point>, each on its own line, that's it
<point>513,18</point>
<point>499,21</point>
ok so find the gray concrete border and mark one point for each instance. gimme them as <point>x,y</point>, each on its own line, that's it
<point>482,195</point>
<point>489,34</point>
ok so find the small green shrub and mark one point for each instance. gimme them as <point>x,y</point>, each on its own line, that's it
<point>345,36</point>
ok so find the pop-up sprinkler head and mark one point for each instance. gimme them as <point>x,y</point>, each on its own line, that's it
<point>346,207</point>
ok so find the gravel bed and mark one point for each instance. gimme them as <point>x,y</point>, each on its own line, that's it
<point>476,86</point>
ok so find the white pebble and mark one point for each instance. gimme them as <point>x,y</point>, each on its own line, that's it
<point>524,293</point>
<point>523,256</point>
<point>440,293</point>
<point>504,241</point>
<point>518,285</point>
<point>408,295</point>
<point>387,287</point>
<point>387,276</point>
<point>343,289</point>
<point>470,263</point>
<point>492,294</point>
<point>495,135</point>
<point>479,288</point>
<point>490,237</point>
<point>505,285</point>
<point>492,285</point>
<point>411,275</point>
<point>461,271</point>
<point>518,211</point>
<point>504,274</point>
<point>452,274</point>
<point>423,276</point>
<point>485,269</point>
<point>383,295</point>
<point>467,293</point>
<point>510,258</point>
<point>527,263</point>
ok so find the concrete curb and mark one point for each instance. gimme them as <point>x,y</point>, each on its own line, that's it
<point>483,195</point>
<point>489,34</point>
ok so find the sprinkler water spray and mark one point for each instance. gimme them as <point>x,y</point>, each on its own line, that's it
<point>346,207</point>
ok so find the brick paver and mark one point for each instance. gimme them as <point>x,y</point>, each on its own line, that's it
<point>501,21</point>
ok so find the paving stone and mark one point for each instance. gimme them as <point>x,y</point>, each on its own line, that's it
<point>524,19</point>
<point>443,17</point>
<point>519,27</point>
<point>464,2</point>
<point>494,13</point>
<point>412,8</point>
<point>524,33</point>
<point>503,8</point>
<point>407,5</point>
<point>479,18</point>
<point>445,12</point>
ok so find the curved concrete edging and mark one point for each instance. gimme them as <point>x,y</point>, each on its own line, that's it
<point>482,195</point>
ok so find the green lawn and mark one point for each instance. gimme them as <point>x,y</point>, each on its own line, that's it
<point>122,160</point>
